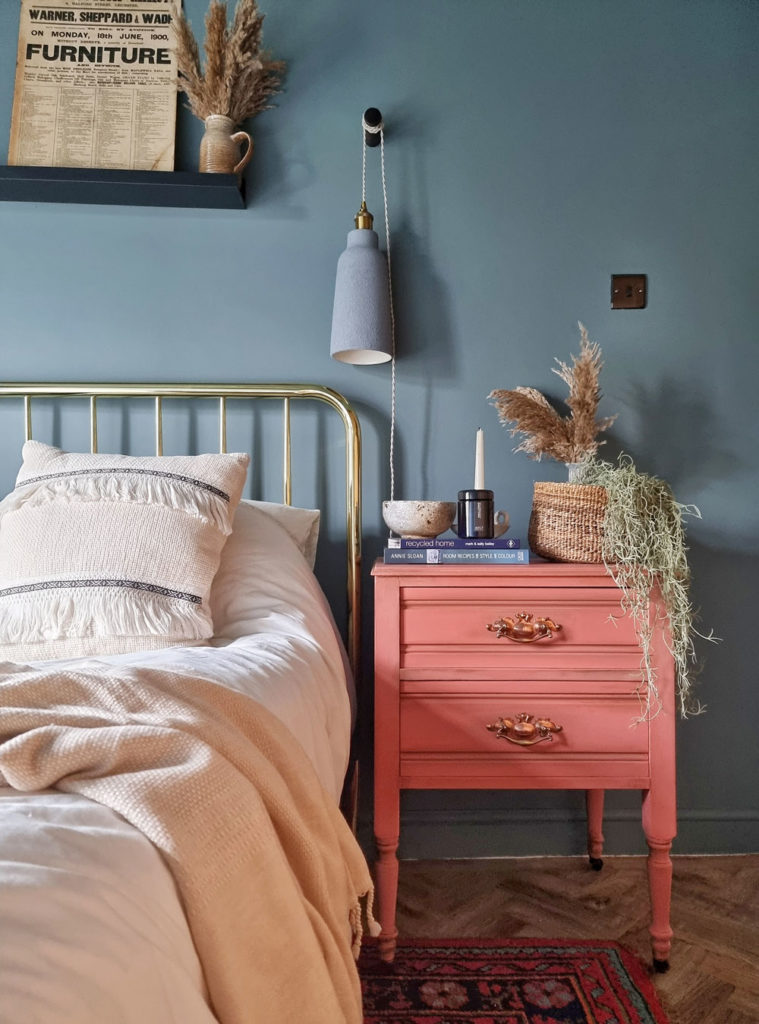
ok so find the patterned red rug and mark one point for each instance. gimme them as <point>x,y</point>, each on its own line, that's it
<point>507,981</point>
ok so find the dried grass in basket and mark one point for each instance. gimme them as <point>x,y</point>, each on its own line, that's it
<point>566,523</point>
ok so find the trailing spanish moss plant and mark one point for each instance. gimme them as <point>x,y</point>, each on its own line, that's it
<point>644,542</point>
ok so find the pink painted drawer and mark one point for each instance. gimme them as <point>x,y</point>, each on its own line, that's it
<point>449,626</point>
<point>458,725</point>
<point>461,615</point>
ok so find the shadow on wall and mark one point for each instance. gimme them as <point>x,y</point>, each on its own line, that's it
<point>724,594</point>
<point>679,411</point>
<point>671,432</point>
<point>426,350</point>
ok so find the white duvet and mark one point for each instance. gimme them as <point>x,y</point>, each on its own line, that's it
<point>91,927</point>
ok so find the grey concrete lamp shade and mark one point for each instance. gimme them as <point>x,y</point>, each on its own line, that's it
<point>361,330</point>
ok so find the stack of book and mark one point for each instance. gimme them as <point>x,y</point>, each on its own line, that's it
<point>456,550</point>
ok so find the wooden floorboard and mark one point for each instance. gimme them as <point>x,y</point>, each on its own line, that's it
<point>714,973</point>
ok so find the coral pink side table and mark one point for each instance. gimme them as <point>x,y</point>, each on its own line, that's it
<point>518,677</point>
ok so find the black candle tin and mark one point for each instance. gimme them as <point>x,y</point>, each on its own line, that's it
<point>475,514</point>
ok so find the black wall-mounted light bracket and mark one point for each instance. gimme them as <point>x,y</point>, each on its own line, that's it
<point>372,117</point>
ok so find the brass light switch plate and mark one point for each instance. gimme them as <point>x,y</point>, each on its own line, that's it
<point>628,291</point>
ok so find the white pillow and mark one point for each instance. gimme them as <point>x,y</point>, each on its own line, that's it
<point>260,565</point>
<point>301,523</point>
<point>106,554</point>
<point>265,584</point>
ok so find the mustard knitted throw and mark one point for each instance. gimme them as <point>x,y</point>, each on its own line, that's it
<point>267,869</point>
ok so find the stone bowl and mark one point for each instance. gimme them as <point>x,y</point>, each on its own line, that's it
<point>419,518</point>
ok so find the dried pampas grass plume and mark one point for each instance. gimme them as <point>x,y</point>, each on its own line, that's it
<point>239,77</point>
<point>545,431</point>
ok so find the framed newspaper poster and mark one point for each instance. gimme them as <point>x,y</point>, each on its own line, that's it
<point>95,85</point>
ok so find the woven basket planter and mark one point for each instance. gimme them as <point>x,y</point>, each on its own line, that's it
<point>566,523</point>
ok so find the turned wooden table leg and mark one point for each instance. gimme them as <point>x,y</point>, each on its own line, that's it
<point>660,888</point>
<point>659,801</point>
<point>387,826</point>
<point>387,799</point>
<point>594,803</point>
<point>660,827</point>
<point>386,870</point>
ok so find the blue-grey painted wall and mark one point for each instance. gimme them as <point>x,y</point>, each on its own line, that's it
<point>534,147</point>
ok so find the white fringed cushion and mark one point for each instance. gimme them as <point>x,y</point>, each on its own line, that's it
<point>106,554</point>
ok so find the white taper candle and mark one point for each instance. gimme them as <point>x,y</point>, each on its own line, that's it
<point>479,461</point>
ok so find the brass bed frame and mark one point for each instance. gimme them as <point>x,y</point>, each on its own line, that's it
<point>286,393</point>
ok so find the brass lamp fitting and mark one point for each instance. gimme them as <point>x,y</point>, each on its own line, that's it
<point>363,218</point>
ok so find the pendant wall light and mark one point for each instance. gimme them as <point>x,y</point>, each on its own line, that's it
<point>363,320</point>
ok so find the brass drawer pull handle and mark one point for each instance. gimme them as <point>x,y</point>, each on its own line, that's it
<point>521,629</point>
<point>524,729</point>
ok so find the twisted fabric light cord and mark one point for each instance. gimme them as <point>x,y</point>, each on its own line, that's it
<point>374,130</point>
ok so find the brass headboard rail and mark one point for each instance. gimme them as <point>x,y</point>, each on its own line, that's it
<point>285,393</point>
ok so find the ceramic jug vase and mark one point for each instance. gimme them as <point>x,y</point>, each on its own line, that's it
<point>220,147</point>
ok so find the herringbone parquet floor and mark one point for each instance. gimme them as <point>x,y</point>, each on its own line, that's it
<point>714,974</point>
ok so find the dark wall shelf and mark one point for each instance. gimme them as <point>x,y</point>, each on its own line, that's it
<point>121,188</point>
